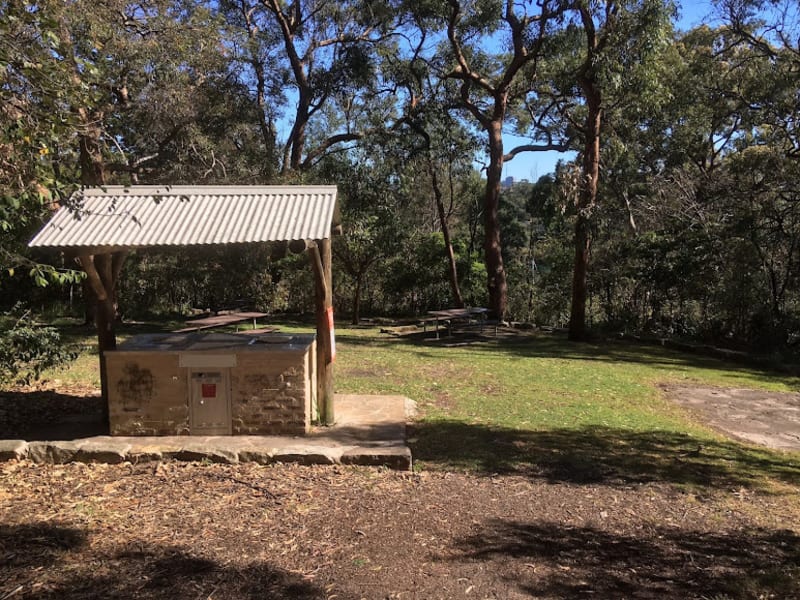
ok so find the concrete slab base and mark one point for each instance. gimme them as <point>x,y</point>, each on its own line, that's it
<point>369,430</point>
<point>13,449</point>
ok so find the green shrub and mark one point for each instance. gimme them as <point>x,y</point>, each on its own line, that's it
<point>26,350</point>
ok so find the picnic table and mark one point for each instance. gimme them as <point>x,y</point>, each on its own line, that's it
<point>468,314</point>
<point>232,318</point>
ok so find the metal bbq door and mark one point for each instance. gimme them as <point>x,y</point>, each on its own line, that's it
<point>210,402</point>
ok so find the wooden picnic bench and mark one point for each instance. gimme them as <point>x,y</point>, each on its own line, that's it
<point>233,318</point>
<point>468,314</point>
<point>258,331</point>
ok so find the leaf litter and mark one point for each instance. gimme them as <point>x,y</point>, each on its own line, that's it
<point>191,530</point>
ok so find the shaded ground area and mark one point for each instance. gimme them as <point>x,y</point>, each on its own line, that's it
<point>768,418</point>
<point>599,455</point>
<point>68,412</point>
<point>54,412</point>
<point>285,531</point>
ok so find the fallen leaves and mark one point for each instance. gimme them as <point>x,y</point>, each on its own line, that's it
<point>224,531</point>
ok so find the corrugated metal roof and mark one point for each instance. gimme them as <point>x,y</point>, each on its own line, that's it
<point>140,216</point>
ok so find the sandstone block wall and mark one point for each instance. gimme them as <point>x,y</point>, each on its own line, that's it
<point>271,392</point>
<point>148,394</point>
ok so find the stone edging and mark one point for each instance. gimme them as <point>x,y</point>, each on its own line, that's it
<point>91,451</point>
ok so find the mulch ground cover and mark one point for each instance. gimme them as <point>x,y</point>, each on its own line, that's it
<point>188,530</point>
<point>50,411</point>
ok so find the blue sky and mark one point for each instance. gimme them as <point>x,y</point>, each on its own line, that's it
<point>532,165</point>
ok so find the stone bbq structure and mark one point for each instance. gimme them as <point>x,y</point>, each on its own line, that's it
<point>102,226</point>
<point>212,384</point>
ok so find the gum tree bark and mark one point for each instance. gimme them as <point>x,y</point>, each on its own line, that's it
<point>587,194</point>
<point>587,198</point>
<point>452,270</point>
<point>102,272</point>
<point>487,97</point>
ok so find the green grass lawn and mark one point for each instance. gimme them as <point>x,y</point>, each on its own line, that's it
<point>575,412</point>
<point>543,406</point>
<point>591,420</point>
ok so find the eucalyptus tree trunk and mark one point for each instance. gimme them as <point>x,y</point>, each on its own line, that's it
<point>587,195</point>
<point>495,271</point>
<point>485,93</point>
<point>266,125</point>
<point>452,270</point>
<point>586,201</point>
<point>102,272</point>
<point>92,174</point>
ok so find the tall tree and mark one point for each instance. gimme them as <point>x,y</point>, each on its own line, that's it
<point>329,54</point>
<point>491,84</point>
<point>620,42</point>
<point>443,149</point>
<point>84,69</point>
<point>257,50</point>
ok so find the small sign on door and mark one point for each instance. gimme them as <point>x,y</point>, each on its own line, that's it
<point>209,390</point>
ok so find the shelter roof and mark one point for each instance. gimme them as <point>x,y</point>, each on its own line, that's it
<point>114,217</point>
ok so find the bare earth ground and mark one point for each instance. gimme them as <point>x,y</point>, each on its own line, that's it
<point>189,530</point>
<point>183,530</point>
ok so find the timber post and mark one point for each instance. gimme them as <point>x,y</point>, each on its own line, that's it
<point>98,270</point>
<point>102,272</point>
<point>320,255</point>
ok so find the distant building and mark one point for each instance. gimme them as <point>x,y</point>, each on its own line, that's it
<point>507,182</point>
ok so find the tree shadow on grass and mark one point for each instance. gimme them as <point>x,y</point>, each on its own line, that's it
<point>576,562</point>
<point>48,415</point>
<point>556,346</point>
<point>599,455</point>
<point>50,561</point>
<point>634,352</point>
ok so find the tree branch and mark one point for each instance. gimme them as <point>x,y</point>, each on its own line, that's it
<point>462,71</point>
<point>557,147</point>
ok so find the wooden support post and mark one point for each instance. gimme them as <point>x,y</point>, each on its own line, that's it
<point>102,271</point>
<point>319,255</point>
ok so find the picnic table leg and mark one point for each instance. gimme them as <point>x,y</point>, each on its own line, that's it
<point>437,328</point>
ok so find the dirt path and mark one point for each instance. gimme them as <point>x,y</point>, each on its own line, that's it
<point>771,419</point>
<point>192,530</point>
<point>181,530</point>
